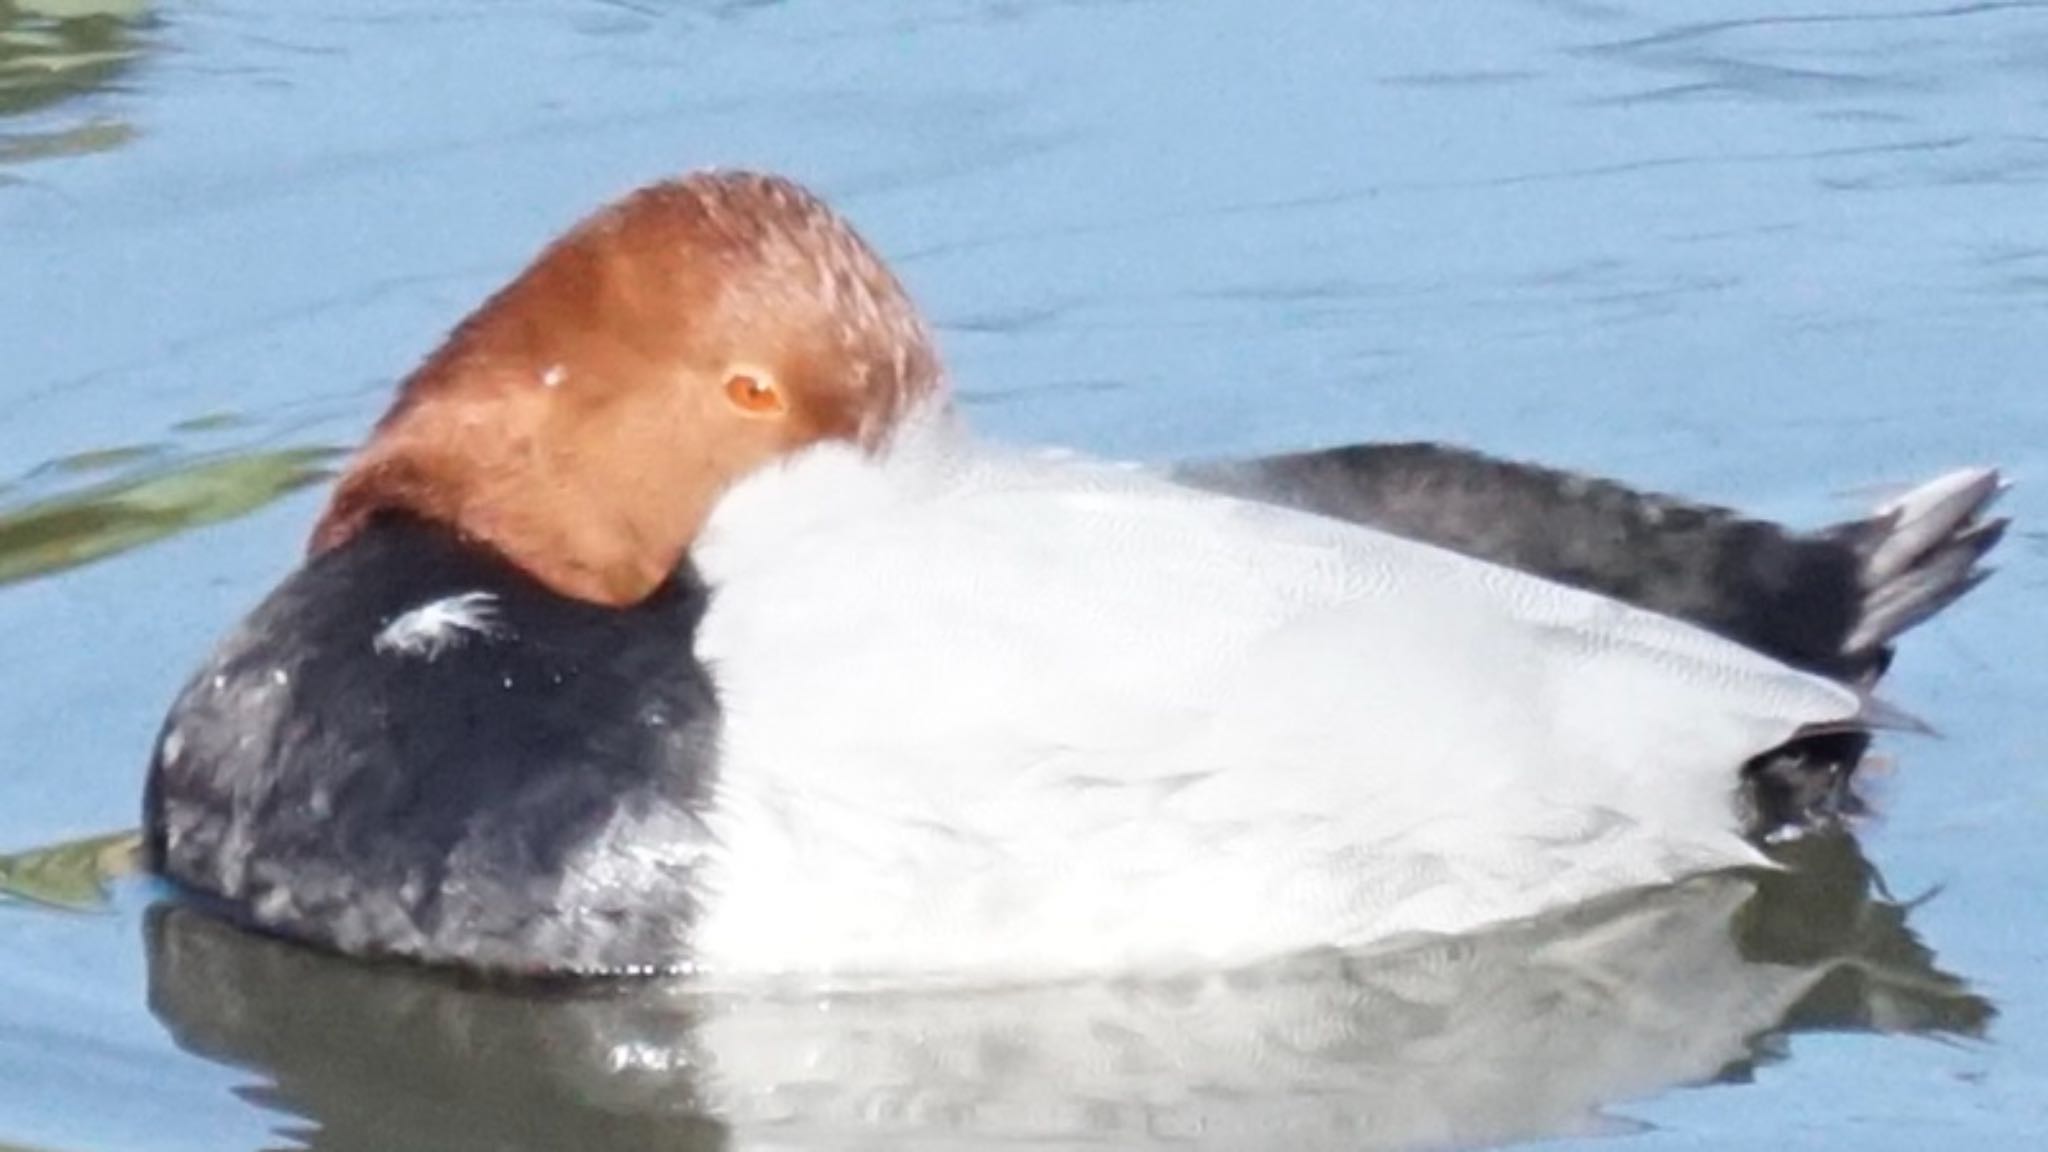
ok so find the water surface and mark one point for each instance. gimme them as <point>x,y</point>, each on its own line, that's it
<point>1779,257</point>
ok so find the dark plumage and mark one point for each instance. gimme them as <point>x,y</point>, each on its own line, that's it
<point>485,796</point>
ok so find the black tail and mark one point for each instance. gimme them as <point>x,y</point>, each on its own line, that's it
<point>1916,556</point>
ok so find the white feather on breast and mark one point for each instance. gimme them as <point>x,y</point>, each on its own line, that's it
<point>1009,714</point>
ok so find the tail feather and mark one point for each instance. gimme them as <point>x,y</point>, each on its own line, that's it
<point>1873,714</point>
<point>1915,557</point>
<point>1923,520</point>
<point>1919,554</point>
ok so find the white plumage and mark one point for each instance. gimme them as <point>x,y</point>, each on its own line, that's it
<point>1000,714</point>
<point>438,625</point>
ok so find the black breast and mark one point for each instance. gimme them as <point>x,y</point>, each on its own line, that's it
<point>412,749</point>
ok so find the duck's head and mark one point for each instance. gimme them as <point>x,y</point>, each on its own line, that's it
<point>585,419</point>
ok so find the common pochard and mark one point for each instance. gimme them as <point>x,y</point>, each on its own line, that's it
<point>671,621</point>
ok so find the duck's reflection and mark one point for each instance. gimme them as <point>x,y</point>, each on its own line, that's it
<point>1523,1032</point>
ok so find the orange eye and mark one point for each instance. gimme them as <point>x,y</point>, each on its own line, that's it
<point>754,394</point>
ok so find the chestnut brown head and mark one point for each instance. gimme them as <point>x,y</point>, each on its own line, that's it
<point>585,419</point>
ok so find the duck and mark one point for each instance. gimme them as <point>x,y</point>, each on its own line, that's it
<point>672,621</point>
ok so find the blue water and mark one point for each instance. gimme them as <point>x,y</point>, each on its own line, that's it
<point>1776,257</point>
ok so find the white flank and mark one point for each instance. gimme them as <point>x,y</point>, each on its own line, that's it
<point>1002,714</point>
<point>438,625</point>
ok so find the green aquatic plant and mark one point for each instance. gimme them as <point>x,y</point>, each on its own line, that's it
<point>79,527</point>
<point>51,50</point>
<point>211,422</point>
<point>96,460</point>
<point>72,875</point>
